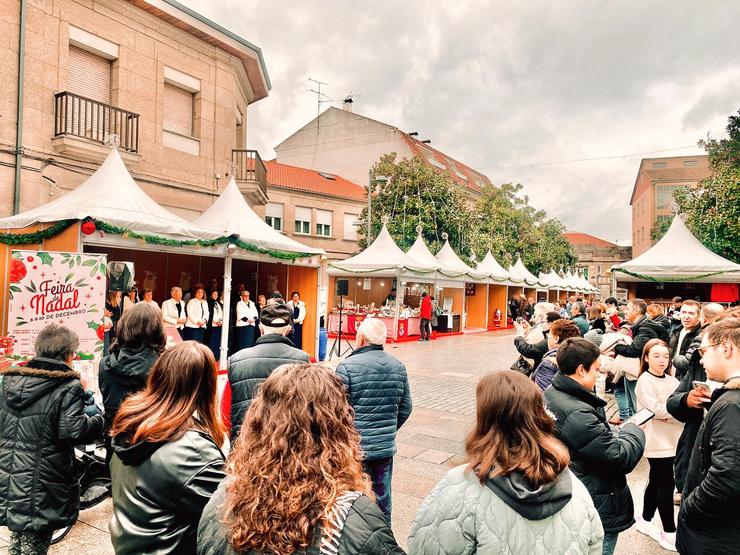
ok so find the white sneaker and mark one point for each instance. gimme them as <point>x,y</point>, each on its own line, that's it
<point>648,528</point>
<point>668,541</point>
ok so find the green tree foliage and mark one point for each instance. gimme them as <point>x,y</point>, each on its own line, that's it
<point>712,208</point>
<point>507,225</point>
<point>414,194</point>
<point>659,229</point>
<point>500,220</point>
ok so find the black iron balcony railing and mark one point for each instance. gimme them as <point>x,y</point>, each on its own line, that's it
<point>89,119</point>
<point>248,166</point>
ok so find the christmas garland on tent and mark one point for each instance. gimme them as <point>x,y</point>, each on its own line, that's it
<point>157,240</point>
<point>668,280</point>
<point>35,237</point>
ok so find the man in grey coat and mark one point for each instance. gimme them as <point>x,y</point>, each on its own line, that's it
<point>378,390</point>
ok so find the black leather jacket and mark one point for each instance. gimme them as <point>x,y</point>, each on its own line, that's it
<point>365,531</point>
<point>159,491</point>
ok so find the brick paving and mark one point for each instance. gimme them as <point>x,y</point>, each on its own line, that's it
<point>443,375</point>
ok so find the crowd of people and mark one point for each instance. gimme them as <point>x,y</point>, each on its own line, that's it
<point>198,314</point>
<point>298,457</point>
<point>650,359</point>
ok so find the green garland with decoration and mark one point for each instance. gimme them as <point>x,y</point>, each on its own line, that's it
<point>157,240</point>
<point>35,237</point>
<point>665,279</point>
<point>54,230</point>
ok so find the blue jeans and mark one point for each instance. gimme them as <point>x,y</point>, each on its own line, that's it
<point>381,472</point>
<point>626,398</point>
<point>610,542</point>
<point>631,387</point>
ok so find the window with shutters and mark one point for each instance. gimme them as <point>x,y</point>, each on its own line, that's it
<point>178,110</point>
<point>88,79</point>
<point>274,215</point>
<point>350,230</point>
<point>323,223</point>
<point>302,220</point>
<point>89,75</point>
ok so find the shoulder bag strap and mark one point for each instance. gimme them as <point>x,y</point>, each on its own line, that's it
<point>334,519</point>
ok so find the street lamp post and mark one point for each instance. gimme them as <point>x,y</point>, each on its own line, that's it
<point>370,188</point>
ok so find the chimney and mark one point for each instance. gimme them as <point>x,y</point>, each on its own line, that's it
<point>347,104</point>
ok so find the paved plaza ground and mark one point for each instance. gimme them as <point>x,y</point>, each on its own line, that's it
<point>443,376</point>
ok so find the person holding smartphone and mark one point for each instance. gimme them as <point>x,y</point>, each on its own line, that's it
<point>654,386</point>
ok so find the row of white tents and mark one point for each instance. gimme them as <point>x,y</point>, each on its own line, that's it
<point>233,230</point>
<point>385,258</point>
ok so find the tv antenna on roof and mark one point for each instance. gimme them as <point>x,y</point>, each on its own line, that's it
<point>321,98</point>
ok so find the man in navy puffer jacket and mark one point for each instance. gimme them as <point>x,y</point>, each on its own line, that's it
<point>378,390</point>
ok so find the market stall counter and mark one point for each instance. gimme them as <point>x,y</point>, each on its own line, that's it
<point>409,322</point>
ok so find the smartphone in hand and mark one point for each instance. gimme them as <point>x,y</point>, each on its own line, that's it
<point>640,418</point>
<point>704,387</point>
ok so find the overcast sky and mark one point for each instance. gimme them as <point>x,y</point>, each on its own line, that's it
<point>503,85</point>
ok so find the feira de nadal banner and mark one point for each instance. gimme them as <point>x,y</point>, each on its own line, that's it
<point>56,287</point>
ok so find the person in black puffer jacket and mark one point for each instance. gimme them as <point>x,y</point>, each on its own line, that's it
<point>601,456</point>
<point>710,509</point>
<point>41,420</point>
<point>295,483</point>
<point>656,313</point>
<point>378,390</point>
<point>250,367</point>
<point>139,341</point>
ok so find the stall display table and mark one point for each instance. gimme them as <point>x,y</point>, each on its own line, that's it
<point>406,326</point>
<point>443,323</point>
<point>350,322</point>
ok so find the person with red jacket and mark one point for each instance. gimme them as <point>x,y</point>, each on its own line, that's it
<point>426,317</point>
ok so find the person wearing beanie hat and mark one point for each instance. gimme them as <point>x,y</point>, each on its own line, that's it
<point>248,368</point>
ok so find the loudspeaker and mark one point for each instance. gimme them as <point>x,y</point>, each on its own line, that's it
<point>342,287</point>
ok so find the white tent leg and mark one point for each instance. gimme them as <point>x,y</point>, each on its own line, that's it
<point>227,313</point>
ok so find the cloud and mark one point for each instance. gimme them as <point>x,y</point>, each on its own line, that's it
<point>504,85</point>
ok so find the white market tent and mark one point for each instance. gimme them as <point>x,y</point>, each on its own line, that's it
<point>382,257</point>
<point>421,254</point>
<point>520,270</point>
<point>678,256</point>
<point>452,266</point>
<point>555,281</point>
<point>490,267</point>
<point>111,195</point>
<point>230,215</point>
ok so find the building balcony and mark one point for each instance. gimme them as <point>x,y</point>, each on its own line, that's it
<point>250,175</point>
<point>81,126</point>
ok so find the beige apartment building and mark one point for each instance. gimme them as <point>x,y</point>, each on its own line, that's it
<point>318,209</point>
<point>348,144</point>
<point>596,257</point>
<point>652,195</point>
<point>173,87</point>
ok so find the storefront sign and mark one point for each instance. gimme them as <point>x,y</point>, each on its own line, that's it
<point>56,287</point>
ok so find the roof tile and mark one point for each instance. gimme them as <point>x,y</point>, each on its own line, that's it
<point>304,179</point>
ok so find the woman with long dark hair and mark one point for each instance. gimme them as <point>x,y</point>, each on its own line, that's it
<point>654,385</point>
<point>295,479</point>
<point>167,459</point>
<point>515,494</point>
<point>124,371</point>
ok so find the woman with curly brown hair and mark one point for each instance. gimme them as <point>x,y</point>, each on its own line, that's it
<point>294,480</point>
<point>516,493</point>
